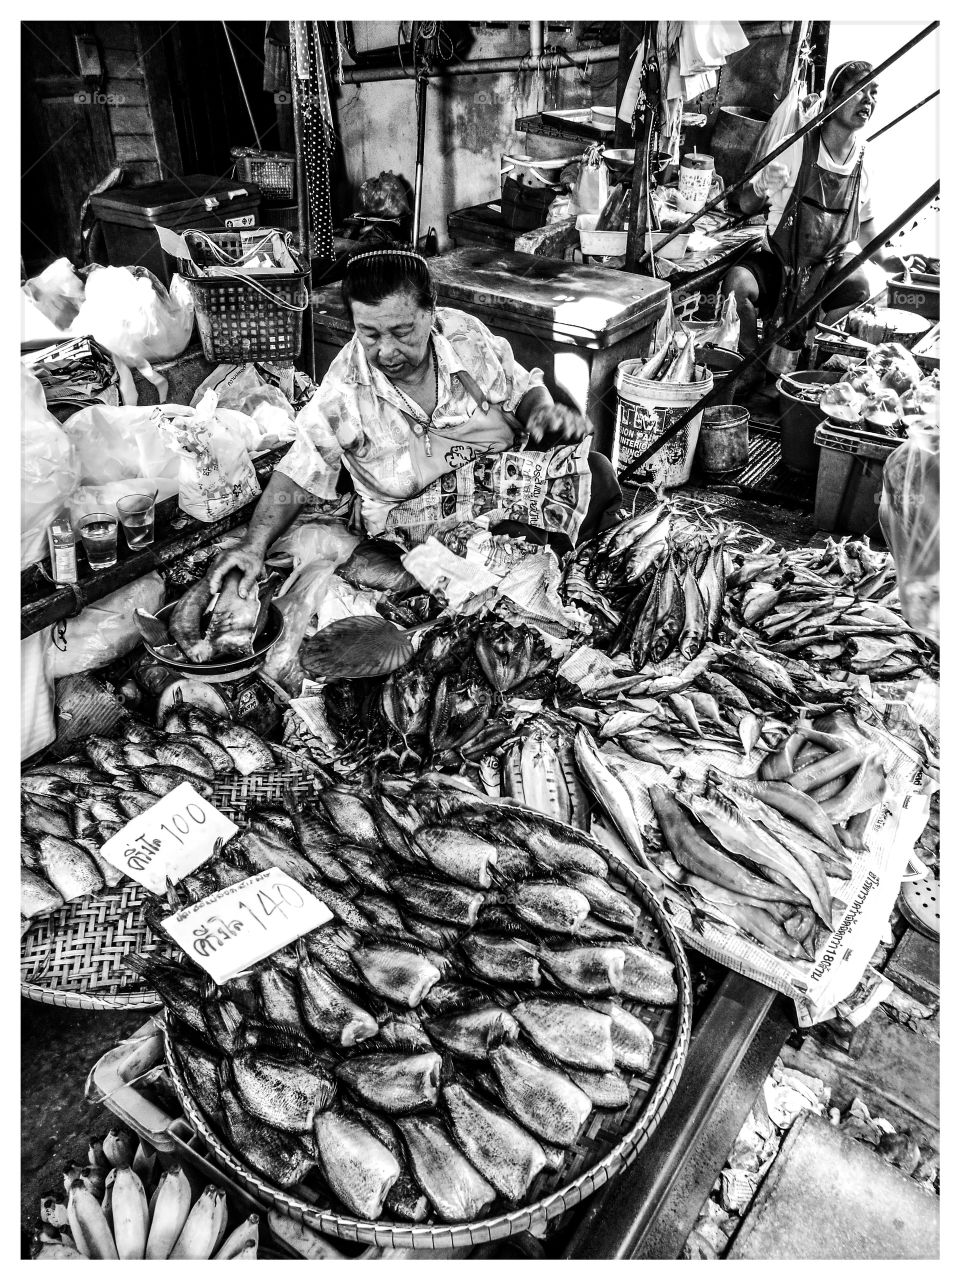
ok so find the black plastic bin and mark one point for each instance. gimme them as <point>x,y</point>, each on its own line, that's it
<point>130,216</point>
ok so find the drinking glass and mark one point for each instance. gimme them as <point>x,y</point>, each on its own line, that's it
<point>136,513</point>
<point>99,533</point>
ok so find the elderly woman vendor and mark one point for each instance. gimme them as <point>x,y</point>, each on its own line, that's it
<point>434,420</point>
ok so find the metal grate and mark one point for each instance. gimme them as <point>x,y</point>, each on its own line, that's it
<point>765,478</point>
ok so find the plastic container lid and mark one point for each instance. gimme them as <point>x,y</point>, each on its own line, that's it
<point>175,199</point>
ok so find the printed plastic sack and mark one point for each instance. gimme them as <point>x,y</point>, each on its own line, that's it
<point>910,519</point>
<point>243,388</point>
<point>50,302</point>
<point>119,450</point>
<point>316,550</point>
<point>130,313</point>
<point>48,469</point>
<point>216,474</point>
<point>104,630</point>
<point>37,701</point>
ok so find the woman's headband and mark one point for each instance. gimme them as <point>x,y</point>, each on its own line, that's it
<point>387,253</point>
<point>856,65</point>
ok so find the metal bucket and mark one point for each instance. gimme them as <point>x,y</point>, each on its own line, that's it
<point>724,443</point>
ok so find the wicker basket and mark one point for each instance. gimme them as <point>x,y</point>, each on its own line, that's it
<point>610,1142</point>
<point>243,317</point>
<point>74,957</point>
<point>274,172</point>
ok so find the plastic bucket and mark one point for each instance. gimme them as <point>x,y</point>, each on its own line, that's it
<point>645,409</point>
<point>724,443</point>
<point>799,419</point>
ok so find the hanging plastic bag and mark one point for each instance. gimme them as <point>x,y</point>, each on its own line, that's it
<point>216,475</point>
<point>48,469</point>
<point>910,519</point>
<point>725,332</point>
<point>50,302</point>
<point>130,313</point>
<point>792,113</point>
<point>590,188</point>
<point>104,631</point>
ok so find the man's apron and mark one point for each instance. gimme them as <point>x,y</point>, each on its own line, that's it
<point>821,218</point>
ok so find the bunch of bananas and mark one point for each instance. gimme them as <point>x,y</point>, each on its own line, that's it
<point>540,772</point>
<point>109,1213</point>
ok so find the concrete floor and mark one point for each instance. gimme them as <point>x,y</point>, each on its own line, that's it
<point>57,1049</point>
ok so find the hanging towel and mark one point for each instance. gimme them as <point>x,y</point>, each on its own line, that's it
<point>706,45</point>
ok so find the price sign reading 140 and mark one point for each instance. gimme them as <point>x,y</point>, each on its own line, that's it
<point>171,839</point>
<point>246,922</point>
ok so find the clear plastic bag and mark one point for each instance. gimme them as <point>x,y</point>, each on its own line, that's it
<point>104,631</point>
<point>51,301</point>
<point>243,388</point>
<point>910,519</point>
<point>130,313</point>
<point>48,469</point>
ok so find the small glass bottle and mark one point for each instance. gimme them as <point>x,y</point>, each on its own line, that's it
<point>63,550</point>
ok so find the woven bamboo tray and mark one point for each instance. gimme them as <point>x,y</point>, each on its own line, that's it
<point>610,1141</point>
<point>74,957</point>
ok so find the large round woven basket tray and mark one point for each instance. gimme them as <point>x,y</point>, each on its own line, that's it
<point>610,1141</point>
<point>74,957</point>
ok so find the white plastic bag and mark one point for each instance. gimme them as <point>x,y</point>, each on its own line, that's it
<point>103,631</point>
<point>910,519</point>
<point>243,388</point>
<point>130,313</point>
<point>119,450</point>
<point>37,702</point>
<point>214,444</point>
<point>50,302</point>
<point>790,115</point>
<point>48,469</point>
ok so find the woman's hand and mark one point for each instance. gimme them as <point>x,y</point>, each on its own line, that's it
<point>775,176</point>
<point>245,558</point>
<point>558,424</point>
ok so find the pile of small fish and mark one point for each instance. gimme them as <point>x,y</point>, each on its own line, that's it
<point>837,608</point>
<point>70,808</point>
<point>444,1041</point>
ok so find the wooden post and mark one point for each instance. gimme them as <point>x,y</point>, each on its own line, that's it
<point>637,222</point>
<point>631,35</point>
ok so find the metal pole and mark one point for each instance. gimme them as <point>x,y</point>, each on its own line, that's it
<point>804,129</point>
<point>479,67</point>
<point>421,107</point>
<point>909,112</point>
<point>800,314</point>
<point>253,123</point>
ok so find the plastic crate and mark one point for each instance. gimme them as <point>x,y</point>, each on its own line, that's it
<point>274,172</point>
<point>921,294</point>
<point>850,481</point>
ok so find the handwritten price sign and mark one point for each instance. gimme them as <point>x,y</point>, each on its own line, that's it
<point>246,922</point>
<point>171,839</point>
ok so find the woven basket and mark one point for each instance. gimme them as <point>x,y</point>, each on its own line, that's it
<point>610,1142</point>
<point>242,317</point>
<point>74,957</point>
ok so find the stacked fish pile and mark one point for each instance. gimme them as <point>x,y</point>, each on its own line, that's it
<point>70,808</point>
<point>445,1041</point>
<point>835,608</point>
<point>122,1204</point>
